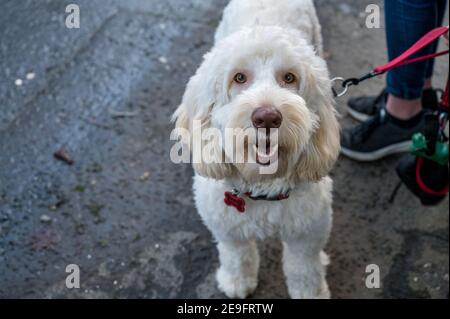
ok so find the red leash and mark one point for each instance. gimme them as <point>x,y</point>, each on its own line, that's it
<point>444,100</point>
<point>402,60</point>
<point>422,184</point>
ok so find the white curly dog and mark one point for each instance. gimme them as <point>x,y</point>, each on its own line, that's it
<point>266,71</point>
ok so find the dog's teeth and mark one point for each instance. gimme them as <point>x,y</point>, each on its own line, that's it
<point>266,157</point>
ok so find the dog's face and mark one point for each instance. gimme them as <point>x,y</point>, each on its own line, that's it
<point>265,79</point>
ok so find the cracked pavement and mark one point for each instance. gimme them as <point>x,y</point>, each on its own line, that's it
<point>123,212</point>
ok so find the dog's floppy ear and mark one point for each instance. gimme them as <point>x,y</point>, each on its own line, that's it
<point>202,93</point>
<point>323,149</point>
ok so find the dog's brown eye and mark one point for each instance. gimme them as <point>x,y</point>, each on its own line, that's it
<point>240,78</point>
<point>289,78</point>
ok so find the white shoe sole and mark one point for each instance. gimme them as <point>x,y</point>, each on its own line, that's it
<point>398,148</point>
<point>361,117</point>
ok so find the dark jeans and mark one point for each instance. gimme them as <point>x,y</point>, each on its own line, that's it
<point>406,22</point>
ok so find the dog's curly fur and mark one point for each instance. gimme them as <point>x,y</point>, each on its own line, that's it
<point>266,38</point>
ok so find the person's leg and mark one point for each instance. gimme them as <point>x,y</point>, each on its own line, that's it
<point>406,22</point>
<point>362,108</point>
<point>440,13</point>
<point>400,115</point>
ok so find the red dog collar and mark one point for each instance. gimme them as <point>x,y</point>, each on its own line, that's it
<point>233,199</point>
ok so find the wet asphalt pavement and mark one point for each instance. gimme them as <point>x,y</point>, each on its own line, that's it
<point>123,212</point>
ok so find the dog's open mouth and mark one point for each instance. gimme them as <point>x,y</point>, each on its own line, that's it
<point>266,155</point>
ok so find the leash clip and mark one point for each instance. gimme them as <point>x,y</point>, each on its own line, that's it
<point>346,83</point>
<point>344,86</point>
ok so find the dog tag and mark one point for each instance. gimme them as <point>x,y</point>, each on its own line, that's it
<point>234,201</point>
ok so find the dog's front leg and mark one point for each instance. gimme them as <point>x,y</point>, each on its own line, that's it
<point>304,268</point>
<point>237,275</point>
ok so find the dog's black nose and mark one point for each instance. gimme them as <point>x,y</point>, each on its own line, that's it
<point>266,117</point>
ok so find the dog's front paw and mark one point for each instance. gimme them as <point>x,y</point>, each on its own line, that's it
<point>324,293</point>
<point>235,286</point>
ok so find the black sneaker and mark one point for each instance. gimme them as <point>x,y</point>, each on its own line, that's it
<point>380,136</point>
<point>363,107</point>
